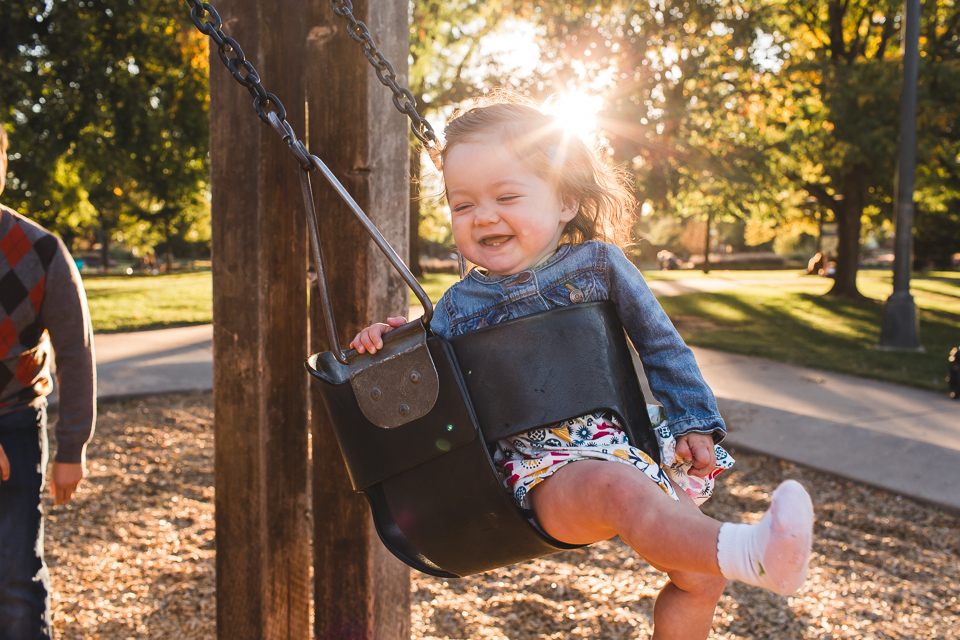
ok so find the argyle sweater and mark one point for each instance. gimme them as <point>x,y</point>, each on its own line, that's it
<point>43,308</point>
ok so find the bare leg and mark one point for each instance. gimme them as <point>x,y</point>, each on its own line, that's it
<point>588,500</point>
<point>685,606</point>
<point>591,500</point>
<point>687,603</point>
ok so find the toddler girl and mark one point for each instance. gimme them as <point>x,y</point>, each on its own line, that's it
<point>533,207</point>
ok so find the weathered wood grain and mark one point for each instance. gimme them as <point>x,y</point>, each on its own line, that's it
<point>260,335</point>
<point>361,591</point>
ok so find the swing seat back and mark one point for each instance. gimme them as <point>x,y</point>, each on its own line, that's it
<point>437,500</point>
<point>553,366</point>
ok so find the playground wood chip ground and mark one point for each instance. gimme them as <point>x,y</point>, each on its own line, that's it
<point>133,556</point>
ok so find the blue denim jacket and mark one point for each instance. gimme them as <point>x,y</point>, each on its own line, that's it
<point>589,272</point>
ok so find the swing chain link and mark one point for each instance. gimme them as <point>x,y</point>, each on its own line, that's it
<point>243,71</point>
<point>403,100</point>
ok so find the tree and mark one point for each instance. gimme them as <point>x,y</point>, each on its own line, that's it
<point>937,219</point>
<point>837,90</point>
<point>679,85</point>
<point>834,127</point>
<point>115,91</point>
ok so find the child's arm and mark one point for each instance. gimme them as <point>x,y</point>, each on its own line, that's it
<point>670,367</point>
<point>370,339</point>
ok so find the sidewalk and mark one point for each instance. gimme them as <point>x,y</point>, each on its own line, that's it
<point>161,361</point>
<point>896,438</point>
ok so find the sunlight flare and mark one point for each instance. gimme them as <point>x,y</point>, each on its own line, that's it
<point>575,112</point>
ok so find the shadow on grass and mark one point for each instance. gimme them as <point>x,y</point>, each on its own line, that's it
<point>150,326</point>
<point>817,331</point>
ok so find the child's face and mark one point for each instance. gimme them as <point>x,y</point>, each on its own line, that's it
<point>505,218</point>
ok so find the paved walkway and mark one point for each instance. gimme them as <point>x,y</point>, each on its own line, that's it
<point>901,439</point>
<point>160,361</point>
<point>897,438</point>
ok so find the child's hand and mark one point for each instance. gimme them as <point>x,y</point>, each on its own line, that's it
<point>370,338</point>
<point>698,447</point>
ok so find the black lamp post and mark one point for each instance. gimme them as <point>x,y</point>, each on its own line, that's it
<point>901,328</point>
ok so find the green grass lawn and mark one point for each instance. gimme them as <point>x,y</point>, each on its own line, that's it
<point>785,316</point>
<point>133,303</point>
<point>791,320</point>
<point>435,284</point>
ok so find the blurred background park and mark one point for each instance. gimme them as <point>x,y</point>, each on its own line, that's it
<point>760,135</point>
<point>763,140</point>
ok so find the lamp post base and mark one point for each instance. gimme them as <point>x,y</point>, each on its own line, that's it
<point>901,327</point>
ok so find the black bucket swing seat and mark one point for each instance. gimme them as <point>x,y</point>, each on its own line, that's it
<point>437,500</point>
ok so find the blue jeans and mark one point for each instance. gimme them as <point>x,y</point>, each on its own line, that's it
<point>24,581</point>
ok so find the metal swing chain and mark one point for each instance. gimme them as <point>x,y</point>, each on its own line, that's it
<point>243,71</point>
<point>271,111</point>
<point>237,64</point>
<point>403,100</point>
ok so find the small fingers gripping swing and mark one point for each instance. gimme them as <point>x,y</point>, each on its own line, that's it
<point>508,422</point>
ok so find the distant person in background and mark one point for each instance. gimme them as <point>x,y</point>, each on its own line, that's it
<point>43,311</point>
<point>667,260</point>
<point>815,264</point>
<point>821,265</point>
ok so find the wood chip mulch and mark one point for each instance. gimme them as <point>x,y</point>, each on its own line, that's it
<point>132,556</point>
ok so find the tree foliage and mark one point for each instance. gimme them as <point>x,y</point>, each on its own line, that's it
<point>839,84</point>
<point>679,83</point>
<point>108,105</point>
<point>766,111</point>
<point>447,66</point>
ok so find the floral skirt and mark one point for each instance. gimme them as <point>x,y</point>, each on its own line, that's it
<point>527,459</point>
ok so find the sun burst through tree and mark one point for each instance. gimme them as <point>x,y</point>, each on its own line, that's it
<point>576,113</point>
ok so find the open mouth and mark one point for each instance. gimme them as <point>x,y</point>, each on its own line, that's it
<point>494,241</point>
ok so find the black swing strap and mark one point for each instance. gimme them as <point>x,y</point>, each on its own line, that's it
<point>272,112</point>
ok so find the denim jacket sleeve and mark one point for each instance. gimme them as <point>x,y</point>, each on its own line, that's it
<point>670,366</point>
<point>440,322</point>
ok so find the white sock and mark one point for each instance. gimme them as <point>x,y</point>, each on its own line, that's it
<point>775,552</point>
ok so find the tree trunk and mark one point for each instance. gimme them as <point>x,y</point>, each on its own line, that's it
<point>848,212</point>
<point>414,230</point>
<point>706,246</point>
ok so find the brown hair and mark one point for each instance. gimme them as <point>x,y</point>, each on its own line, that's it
<point>564,160</point>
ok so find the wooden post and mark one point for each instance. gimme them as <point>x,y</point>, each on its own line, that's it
<point>361,592</point>
<point>260,335</point>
